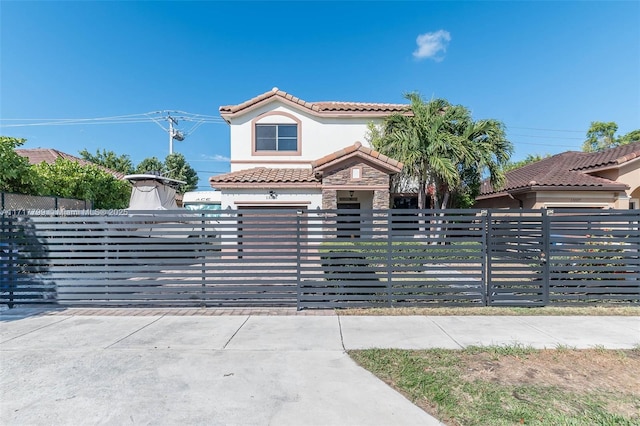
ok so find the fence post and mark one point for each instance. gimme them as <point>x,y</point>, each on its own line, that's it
<point>205,252</point>
<point>298,260</point>
<point>7,259</point>
<point>389,258</point>
<point>486,268</point>
<point>545,255</point>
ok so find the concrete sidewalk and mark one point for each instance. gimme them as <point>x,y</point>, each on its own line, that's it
<point>155,367</point>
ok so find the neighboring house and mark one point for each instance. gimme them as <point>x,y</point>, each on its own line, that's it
<point>606,179</point>
<point>286,152</point>
<point>49,156</point>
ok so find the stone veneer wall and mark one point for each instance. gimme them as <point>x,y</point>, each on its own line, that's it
<point>342,176</point>
<point>329,199</point>
<point>381,199</point>
<point>370,177</point>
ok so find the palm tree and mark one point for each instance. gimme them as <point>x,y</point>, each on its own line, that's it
<point>439,143</point>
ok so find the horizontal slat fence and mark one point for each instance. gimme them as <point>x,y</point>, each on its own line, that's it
<point>396,258</point>
<point>594,257</point>
<point>145,258</point>
<point>321,258</point>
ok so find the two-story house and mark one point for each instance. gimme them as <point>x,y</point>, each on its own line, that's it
<point>286,152</point>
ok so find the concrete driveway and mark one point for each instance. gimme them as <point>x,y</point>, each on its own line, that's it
<point>75,367</point>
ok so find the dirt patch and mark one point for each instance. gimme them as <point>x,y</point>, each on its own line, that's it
<point>579,371</point>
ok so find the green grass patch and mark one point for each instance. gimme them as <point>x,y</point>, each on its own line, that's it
<point>600,310</point>
<point>513,385</point>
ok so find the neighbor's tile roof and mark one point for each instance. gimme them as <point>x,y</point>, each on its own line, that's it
<point>569,169</point>
<point>49,155</point>
<point>609,157</point>
<point>357,147</point>
<point>264,175</point>
<point>329,107</point>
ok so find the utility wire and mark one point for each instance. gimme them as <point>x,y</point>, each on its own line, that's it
<point>547,130</point>
<point>547,137</point>
<point>155,116</point>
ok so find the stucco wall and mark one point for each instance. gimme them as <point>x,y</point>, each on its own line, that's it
<point>234,198</point>
<point>550,199</point>
<point>319,136</point>
<point>630,175</point>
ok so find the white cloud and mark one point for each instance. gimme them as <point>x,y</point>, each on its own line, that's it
<point>217,157</point>
<point>430,44</point>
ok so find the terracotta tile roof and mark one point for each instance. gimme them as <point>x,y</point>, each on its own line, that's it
<point>330,107</point>
<point>609,157</point>
<point>264,175</point>
<point>354,150</point>
<point>49,156</point>
<point>565,170</point>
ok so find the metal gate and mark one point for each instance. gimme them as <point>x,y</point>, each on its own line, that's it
<point>517,259</point>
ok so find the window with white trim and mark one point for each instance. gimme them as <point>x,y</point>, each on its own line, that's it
<point>276,137</point>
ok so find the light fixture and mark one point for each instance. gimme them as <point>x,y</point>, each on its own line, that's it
<point>273,195</point>
<point>350,194</point>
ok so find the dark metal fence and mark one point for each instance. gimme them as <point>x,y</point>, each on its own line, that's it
<point>321,258</point>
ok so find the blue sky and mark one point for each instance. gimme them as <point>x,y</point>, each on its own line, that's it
<point>545,69</point>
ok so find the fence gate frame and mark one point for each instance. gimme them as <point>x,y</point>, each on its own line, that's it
<point>517,258</point>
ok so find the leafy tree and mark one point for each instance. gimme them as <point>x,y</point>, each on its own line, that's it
<point>16,174</point>
<point>69,179</point>
<point>531,158</point>
<point>443,150</point>
<point>150,164</point>
<point>176,167</point>
<point>600,136</point>
<point>632,136</point>
<point>110,160</point>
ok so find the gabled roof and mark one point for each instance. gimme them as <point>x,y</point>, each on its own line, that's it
<point>568,170</point>
<point>329,108</point>
<point>357,150</point>
<point>261,176</point>
<point>49,156</point>
<point>302,177</point>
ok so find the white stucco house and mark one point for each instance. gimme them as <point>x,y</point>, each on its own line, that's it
<point>286,152</point>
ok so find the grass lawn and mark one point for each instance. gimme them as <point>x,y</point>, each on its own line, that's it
<point>512,385</point>
<point>599,310</point>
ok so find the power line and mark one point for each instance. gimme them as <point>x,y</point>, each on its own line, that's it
<point>547,137</point>
<point>547,130</point>
<point>197,119</point>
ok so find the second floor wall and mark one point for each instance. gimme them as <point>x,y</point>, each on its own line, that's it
<point>279,135</point>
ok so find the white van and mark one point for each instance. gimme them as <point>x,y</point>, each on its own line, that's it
<point>202,200</point>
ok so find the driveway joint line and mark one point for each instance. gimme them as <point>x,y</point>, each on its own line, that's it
<point>447,334</point>
<point>135,331</point>
<point>236,332</point>
<point>341,336</point>
<point>36,329</point>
